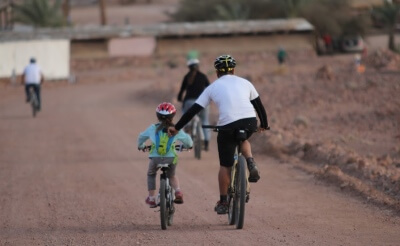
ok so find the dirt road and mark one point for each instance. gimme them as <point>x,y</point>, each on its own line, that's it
<point>73,176</point>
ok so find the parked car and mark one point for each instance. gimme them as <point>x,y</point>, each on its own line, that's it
<point>348,44</point>
<point>352,44</point>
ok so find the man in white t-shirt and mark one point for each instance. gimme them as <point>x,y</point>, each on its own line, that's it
<point>238,102</point>
<point>33,77</point>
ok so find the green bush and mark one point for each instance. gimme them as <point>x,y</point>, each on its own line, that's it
<point>210,10</point>
<point>318,12</point>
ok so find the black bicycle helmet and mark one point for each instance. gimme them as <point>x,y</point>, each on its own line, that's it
<point>225,63</point>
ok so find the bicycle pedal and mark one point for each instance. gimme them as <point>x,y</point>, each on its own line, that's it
<point>253,180</point>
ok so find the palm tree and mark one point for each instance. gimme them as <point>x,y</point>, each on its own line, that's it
<point>389,14</point>
<point>39,13</point>
<point>235,10</point>
<point>66,6</point>
<point>102,6</point>
<point>292,8</point>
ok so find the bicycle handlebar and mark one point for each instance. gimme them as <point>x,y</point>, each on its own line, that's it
<point>178,147</point>
<point>219,128</point>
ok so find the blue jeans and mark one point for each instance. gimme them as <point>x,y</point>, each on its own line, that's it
<point>36,89</point>
<point>203,114</point>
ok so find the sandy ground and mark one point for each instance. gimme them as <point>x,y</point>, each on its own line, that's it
<point>72,176</point>
<point>330,165</point>
<point>344,125</point>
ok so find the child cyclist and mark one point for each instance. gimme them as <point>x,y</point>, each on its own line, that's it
<point>163,150</point>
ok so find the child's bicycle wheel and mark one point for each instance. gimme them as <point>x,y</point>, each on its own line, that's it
<point>163,204</point>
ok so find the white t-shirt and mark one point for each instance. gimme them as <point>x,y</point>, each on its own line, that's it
<point>232,95</point>
<point>32,74</point>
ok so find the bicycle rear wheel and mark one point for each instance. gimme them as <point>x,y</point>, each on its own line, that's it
<point>34,103</point>
<point>240,192</point>
<point>232,203</point>
<point>163,204</point>
<point>197,142</point>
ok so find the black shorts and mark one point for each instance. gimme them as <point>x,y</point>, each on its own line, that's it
<point>227,142</point>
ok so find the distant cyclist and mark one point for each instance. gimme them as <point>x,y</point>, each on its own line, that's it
<point>281,56</point>
<point>237,101</point>
<point>163,151</point>
<point>193,84</point>
<point>32,78</point>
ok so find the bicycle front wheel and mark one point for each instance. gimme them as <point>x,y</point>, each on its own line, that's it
<point>171,206</point>
<point>240,192</point>
<point>163,204</point>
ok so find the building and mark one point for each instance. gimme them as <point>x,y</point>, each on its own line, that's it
<point>155,39</point>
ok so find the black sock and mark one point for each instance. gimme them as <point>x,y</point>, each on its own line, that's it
<point>222,198</point>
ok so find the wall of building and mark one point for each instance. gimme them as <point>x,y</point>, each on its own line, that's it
<point>235,44</point>
<point>180,46</point>
<point>136,46</point>
<point>53,56</point>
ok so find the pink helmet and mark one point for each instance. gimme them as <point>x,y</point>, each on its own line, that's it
<point>165,110</point>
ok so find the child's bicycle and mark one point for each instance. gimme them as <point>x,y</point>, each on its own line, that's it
<point>166,193</point>
<point>239,188</point>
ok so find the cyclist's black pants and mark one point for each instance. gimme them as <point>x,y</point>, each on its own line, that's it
<point>227,142</point>
<point>36,89</point>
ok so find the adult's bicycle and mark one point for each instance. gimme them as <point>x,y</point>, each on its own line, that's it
<point>166,192</point>
<point>239,188</point>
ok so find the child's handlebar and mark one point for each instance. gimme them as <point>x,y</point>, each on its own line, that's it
<point>178,147</point>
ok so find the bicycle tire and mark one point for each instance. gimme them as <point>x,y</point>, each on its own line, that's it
<point>198,143</point>
<point>171,206</point>
<point>163,204</point>
<point>33,111</point>
<point>34,103</point>
<point>232,203</point>
<point>240,192</point>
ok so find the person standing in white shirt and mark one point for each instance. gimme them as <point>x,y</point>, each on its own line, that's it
<point>33,77</point>
<point>238,105</point>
